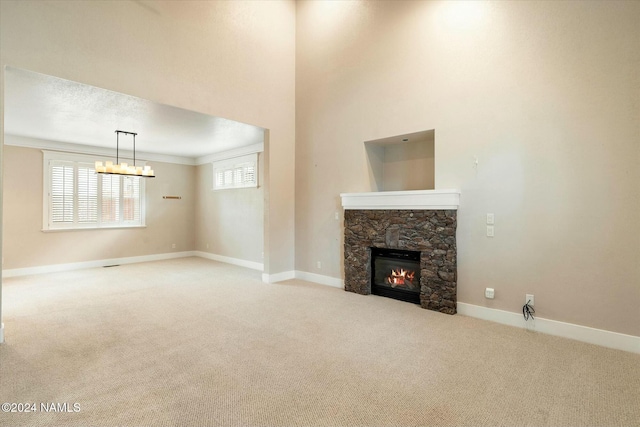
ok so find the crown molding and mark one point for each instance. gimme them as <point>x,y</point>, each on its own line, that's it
<point>230,154</point>
<point>43,144</point>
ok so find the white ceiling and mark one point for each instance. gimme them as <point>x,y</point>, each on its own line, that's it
<point>50,108</point>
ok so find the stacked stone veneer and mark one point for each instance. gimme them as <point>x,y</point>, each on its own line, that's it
<point>432,232</point>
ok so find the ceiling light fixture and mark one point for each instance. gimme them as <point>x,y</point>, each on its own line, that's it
<point>123,168</point>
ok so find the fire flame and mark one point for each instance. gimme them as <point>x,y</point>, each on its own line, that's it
<point>399,276</point>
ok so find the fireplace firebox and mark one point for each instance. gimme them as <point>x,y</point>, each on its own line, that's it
<point>395,273</point>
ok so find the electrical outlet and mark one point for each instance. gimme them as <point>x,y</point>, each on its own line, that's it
<point>489,293</point>
<point>529,300</point>
<point>337,216</point>
<point>319,264</point>
<point>490,232</point>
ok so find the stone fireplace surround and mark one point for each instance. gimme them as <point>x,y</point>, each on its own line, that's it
<point>423,221</point>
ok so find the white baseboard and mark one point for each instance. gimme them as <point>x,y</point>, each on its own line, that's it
<point>553,327</point>
<point>319,279</point>
<point>278,277</point>
<point>55,268</point>
<point>235,261</point>
<point>303,275</point>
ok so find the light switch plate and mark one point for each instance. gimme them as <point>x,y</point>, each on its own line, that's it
<point>491,219</point>
<point>490,232</point>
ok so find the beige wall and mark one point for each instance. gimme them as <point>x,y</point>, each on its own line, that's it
<point>26,245</point>
<point>229,59</point>
<point>230,222</point>
<point>408,166</point>
<point>545,95</point>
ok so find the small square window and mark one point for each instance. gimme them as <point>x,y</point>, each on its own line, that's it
<point>238,172</point>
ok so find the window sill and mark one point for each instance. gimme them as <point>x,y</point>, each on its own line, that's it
<point>117,227</point>
<point>236,188</point>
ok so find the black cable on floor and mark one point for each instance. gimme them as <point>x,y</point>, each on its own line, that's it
<point>528,311</point>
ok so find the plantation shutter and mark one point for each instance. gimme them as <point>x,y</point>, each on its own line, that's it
<point>219,182</point>
<point>237,175</point>
<point>87,195</point>
<point>238,172</point>
<point>131,199</point>
<point>110,199</point>
<point>62,192</point>
<point>228,177</point>
<point>76,197</point>
<point>250,174</point>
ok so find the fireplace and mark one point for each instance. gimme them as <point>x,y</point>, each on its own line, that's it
<point>421,221</point>
<point>395,273</point>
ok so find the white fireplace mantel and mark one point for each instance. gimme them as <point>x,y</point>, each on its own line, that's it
<point>416,199</point>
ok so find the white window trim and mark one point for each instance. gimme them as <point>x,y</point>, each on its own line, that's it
<point>49,156</point>
<point>229,166</point>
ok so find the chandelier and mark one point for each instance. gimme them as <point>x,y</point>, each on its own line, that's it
<point>124,168</point>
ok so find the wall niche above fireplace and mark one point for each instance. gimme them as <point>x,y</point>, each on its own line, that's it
<point>402,162</point>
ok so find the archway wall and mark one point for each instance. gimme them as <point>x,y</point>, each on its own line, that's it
<point>199,56</point>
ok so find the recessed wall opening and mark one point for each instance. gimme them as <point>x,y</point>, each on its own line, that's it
<point>402,162</point>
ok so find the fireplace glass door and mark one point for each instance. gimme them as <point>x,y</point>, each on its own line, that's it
<point>395,273</point>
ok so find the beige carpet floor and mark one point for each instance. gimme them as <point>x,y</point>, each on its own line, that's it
<point>192,342</point>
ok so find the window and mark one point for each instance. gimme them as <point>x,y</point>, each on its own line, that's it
<point>238,172</point>
<point>77,197</point>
